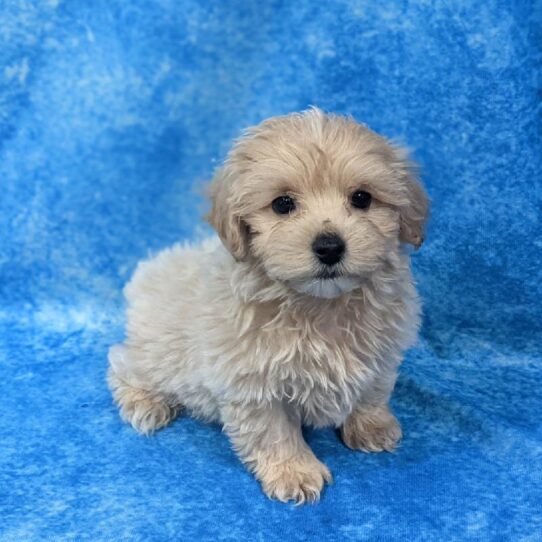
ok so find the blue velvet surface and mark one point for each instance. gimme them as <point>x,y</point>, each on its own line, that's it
<point>112,114</point>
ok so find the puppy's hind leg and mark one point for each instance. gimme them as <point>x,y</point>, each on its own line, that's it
<point>146,410</point>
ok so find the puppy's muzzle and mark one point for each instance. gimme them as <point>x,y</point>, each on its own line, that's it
<point>329,248</point>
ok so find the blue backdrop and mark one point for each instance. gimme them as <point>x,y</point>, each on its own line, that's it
<point>112,114</point>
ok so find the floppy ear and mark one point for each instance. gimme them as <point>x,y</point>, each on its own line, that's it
<point>414,213</point>
<point>228,224</point>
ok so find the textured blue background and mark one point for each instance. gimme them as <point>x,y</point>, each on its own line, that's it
<point>111,115</point>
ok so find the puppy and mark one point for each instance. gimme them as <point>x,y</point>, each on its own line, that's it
<point>298,314</point>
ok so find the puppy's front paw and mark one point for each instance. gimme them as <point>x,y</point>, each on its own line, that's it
<point>373,430</point>
<point>300,479</point>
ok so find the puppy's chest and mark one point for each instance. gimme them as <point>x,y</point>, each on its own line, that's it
<point>325,371</point>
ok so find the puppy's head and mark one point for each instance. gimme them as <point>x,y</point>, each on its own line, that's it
<point>319,200</point>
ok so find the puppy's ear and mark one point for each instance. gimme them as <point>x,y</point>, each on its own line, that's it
<point>228,224</point>
<point>414,213</point>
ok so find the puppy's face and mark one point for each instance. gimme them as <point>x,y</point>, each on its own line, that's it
<point>320,201</point>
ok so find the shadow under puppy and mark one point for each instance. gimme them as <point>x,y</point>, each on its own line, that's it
<point>298,316</point>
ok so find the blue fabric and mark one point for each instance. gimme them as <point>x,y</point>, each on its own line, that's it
<point>113,113</point>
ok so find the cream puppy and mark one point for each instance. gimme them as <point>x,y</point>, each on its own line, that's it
<point>299,314</point>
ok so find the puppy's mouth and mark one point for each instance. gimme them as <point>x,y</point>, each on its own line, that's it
<point>328,274</point>
<point>327,284</point>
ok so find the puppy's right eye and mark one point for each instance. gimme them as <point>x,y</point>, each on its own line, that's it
<point>283,205</point>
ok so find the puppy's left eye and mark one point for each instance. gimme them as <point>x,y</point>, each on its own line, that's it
<point>283,205</point>
<point>361,199</point>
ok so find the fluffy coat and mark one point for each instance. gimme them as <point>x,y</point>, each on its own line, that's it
<point>247,331</point>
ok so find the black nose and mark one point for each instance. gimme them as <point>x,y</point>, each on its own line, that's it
<point>329,248</point>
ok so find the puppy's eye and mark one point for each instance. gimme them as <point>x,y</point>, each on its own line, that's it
<point>361,199</point>
<point>283,205</point>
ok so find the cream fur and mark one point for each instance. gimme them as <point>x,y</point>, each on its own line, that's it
<point>244,332</point>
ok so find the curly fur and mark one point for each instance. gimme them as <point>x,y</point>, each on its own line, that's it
<point>247,333</point>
